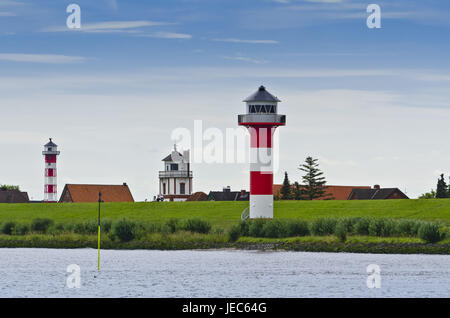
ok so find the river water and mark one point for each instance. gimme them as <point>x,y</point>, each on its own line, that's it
<point>219,273</point>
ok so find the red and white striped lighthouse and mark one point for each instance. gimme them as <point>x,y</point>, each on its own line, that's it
<point>261,119</point>
<point>50,188</point>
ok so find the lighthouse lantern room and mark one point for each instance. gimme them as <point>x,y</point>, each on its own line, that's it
<point>261,119</point>
<point>50,186</point>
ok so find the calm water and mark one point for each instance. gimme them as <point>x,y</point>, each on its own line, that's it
<point>219,273</point>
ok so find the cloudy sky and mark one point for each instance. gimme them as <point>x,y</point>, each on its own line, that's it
<point>372,104</point>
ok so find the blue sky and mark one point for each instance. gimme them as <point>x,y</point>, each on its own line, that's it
<point>371,104</point>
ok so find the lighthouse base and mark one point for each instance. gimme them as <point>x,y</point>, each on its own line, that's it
<point>261,206</point>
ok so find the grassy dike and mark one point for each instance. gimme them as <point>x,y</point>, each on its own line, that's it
<point>224,215</point>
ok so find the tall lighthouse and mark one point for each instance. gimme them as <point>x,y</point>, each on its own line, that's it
<point>261,120</point>
<point>50,188</point>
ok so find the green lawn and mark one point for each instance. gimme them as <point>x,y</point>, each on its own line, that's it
<point>226,213</point>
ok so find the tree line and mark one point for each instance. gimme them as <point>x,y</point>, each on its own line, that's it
<point>442,190</point>
<point>312,187</point>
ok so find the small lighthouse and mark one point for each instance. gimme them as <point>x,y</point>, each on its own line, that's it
<point>50,186</point>
<point>261,120</point>
<point>175,181</point>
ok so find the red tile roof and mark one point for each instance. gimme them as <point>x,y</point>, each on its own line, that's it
<point>89,193</point>
<point>337,192</point>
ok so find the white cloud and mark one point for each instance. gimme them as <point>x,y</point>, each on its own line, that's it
<point>245,59</point>
<point>109,26</point>
<point>40,58</point>
<point>233,40</point>
<point>167,35</point>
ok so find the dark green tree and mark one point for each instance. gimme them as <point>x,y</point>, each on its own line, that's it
<point>286,191</point>
<point>298,191</point>
<point>313,180</point>
<point>442,189</point>
<point>448,192</point>
<point>5,187</point>
<point>428,195</point>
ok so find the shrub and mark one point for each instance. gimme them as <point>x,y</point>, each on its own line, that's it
<point>173,225</point>
<point>8,227</point>
<point>361,226</point>
<point>255,227</point>
<point>234,233</point>
<point>381,227</point>
<point>407,227</point>
<point>41,225</point>
<point>274,228</point>
<point>341,230</point>
<point>244,228</point>
<point>57,228</point>
<point>124,230</point>
<point>197,226</point>
<point>21,229</point>
<point>323,226</point>
<point>297,228</point>
<point>106,225</point>
<point>87,227</point>
<point>429,232</point>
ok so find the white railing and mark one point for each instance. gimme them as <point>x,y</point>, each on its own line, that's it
<point>262,118</point>
<point>175,174</point>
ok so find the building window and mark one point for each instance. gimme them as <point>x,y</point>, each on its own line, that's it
<point>182,188</point>
<point>164,188</point>
<point>173,166</point>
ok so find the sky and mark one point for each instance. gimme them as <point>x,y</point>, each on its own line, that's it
<point>371,104</point>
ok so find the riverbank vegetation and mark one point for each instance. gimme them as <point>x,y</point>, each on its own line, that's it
<point>369,235</point>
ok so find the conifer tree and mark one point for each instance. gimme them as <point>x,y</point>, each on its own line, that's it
<point>313,180</point>
<point>298,192</point>
<point>286,191</point>
<point>442,189</point>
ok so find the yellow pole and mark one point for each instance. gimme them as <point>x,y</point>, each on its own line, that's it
<point>98,244</point>
<point>98,264</point>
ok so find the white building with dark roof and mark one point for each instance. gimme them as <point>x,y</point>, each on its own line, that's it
<point>175,181</point>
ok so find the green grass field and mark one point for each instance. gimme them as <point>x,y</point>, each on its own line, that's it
<point>224,214</point>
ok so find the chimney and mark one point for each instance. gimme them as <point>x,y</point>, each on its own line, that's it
<point>125,184</point>
<point>227,189</point>
<point>377,186</point>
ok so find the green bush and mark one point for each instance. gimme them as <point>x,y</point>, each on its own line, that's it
<point>124,230</point>
<point>323,226</point>
<point>87,227</point>
<point>173,225</point>
<point>106,225</point>
<point>234,233</point>
<point>429,232</point>
<point>381,227</point>
<point>297,228</point>
<point>341,230</point>
<point>8,227</point>
<point>57,228</point>
<point>274,229</point>
<point>197,226</point>
<point>244,227</point>
<point>41,225</point>
<point>361,226</point>
<point>21,229</point>
<point>255,227</point>
<point>407,227</point>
